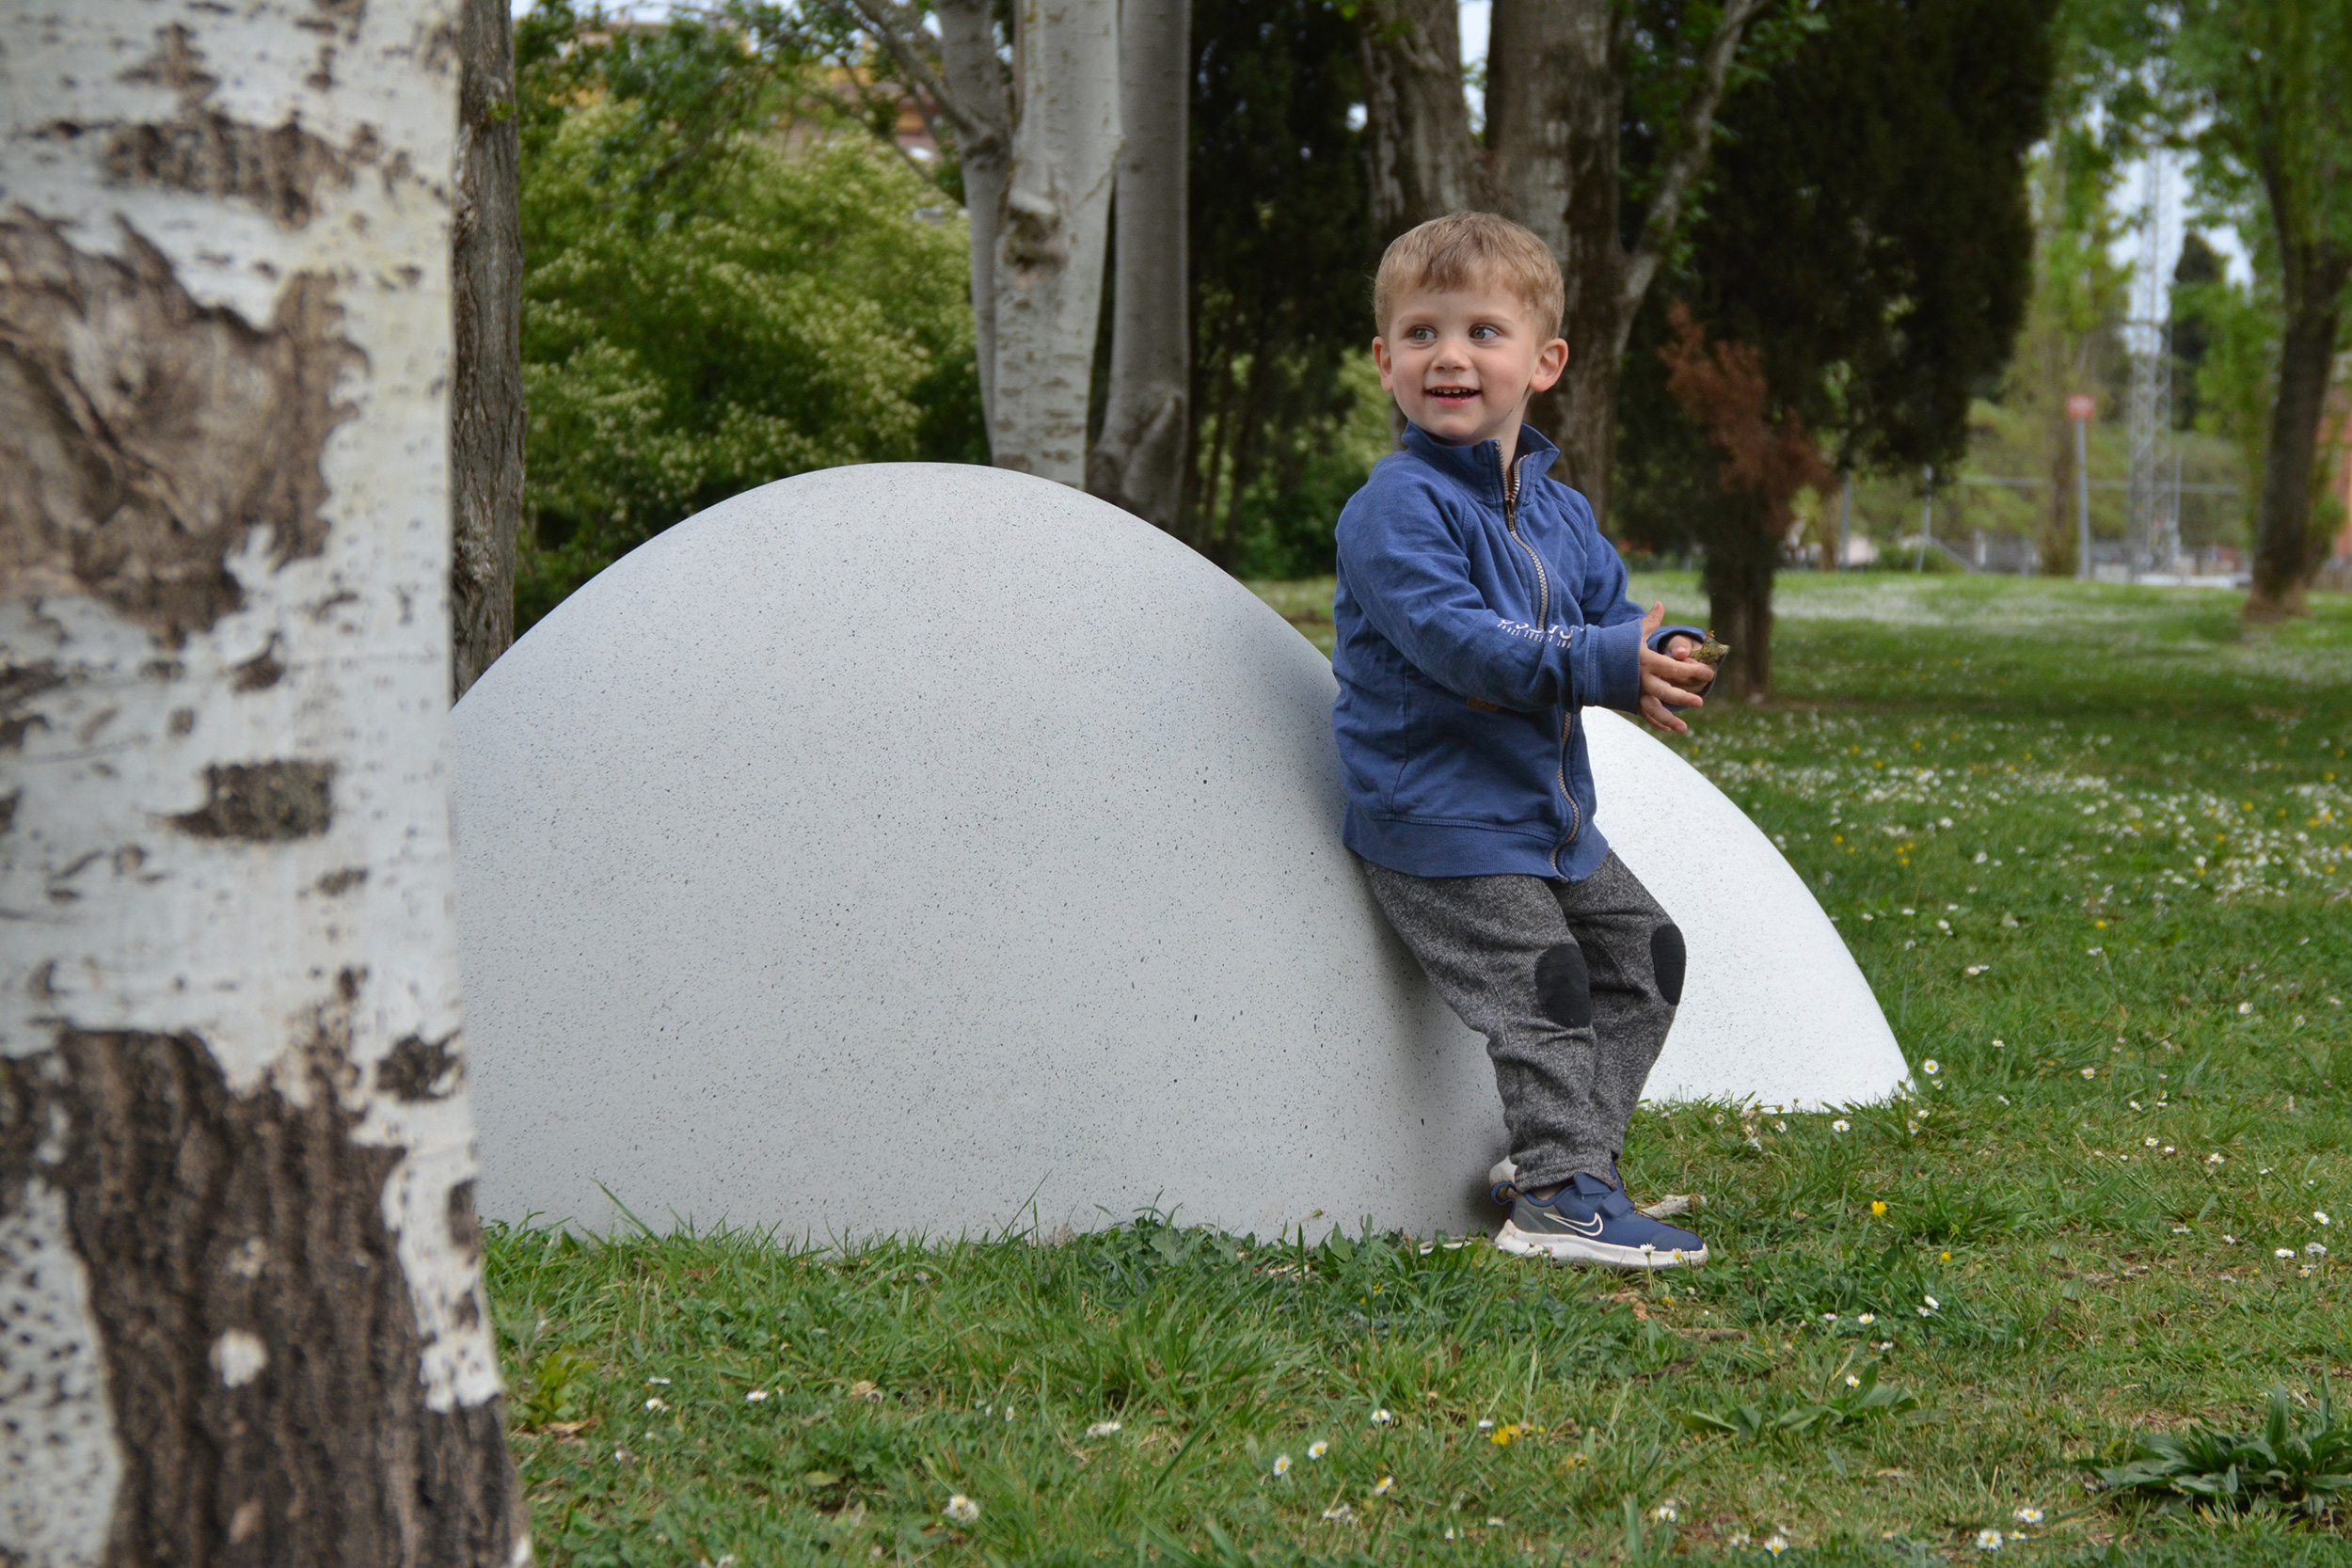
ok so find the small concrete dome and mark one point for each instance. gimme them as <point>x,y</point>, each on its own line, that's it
<point>918,847</point>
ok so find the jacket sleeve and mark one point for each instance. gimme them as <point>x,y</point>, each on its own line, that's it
<point>1409,573</point>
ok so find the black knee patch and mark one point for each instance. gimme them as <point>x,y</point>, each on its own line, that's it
<point>1564,986</point>
<point>1666,960</point>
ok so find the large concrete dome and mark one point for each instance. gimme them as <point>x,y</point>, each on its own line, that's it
<point>935,849</point>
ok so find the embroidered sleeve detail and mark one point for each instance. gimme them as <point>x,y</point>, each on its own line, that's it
<point>1559,637</point>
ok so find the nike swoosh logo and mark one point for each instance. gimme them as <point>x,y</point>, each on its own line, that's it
<point>1582,1228</point>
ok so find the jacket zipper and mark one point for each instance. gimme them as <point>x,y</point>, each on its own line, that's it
<point>1543,623</point>
<point>1511,526</point>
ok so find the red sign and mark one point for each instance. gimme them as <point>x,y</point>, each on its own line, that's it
<point>2082,406</point>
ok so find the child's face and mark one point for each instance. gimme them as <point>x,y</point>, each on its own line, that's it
<point>1462,364</point>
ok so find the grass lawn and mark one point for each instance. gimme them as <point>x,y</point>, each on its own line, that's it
<point>2093,848</point>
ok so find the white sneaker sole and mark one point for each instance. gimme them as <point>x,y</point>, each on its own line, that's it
<point>1576,1249</point>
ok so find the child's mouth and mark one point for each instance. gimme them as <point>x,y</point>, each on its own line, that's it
<point>1455,395</point>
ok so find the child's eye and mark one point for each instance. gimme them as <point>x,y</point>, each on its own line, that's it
<point>1481,332</point>
<point>1422,333</point>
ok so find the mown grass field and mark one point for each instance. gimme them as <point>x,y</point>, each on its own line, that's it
<point>2093,848</point>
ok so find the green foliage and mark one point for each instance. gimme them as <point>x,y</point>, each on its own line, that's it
<point>2238,370</point>
<point>552,1388</point>
<point>2306,1464</point>
<point>723,287</point>
<point>1862,1398</point>
<point>1867,229</point>
<point>2086,1285</point>
<point>1287,421</point>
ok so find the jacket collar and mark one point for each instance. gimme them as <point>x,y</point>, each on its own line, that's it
<point>1479,468</point>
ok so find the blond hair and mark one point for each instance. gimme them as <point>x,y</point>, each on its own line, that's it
<point>1462,250</point>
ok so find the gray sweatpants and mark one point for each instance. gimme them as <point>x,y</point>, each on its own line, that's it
<point>1573,984</point>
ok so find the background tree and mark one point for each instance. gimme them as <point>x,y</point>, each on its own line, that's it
<point>1766,458</point>
<point>1569,84</point>
<point>1869,235</point>
<point>1138,461</point>
<point>2199,267</point>
<point>1417,132</point>
<point>2234,328</point>
<point>2077,306</point>
<point>726,284</point>
<point>1037,288</point>
<point>485,401</point>
<point>1286,417</point>
<point>2266,78</point>
<point>2253,87</point>
<point>1578,85</point>
<point>236,1203</point>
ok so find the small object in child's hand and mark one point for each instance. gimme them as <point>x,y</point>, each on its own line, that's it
<point>1711,653</point>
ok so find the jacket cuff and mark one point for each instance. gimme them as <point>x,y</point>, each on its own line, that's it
<point>1607,667</point>
<point>1658,637</point>
<point>1658,643</point>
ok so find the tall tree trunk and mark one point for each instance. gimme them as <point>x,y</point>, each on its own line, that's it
<point>1138,460</point>
<point>236,1178</point>
<point>2057,542</point>
<point>972,95</point>
<point>485,402</point>
<point>1051,234</point>
<point>2312,275</point>
<point>1533,114</point>
<point>1557,75</point>
<point>1555,97</point>
<point>1418,123</point>
<point>1738,584</point>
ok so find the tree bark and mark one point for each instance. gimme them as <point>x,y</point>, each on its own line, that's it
<point>2058,524</point>
<point>2313,279</point>
<point>1555,99</point>
<point>1139,459</point>
<point>1536,114</point>
<point>974,96</point>
<point>1739,585</point>
<point>236,1213</point>
<point>486,405</point>
<point>1417,122</point>
<point>1051,234</point>
<point>1557,73</point>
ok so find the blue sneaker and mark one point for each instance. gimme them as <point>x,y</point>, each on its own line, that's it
<point>1588,1221</point>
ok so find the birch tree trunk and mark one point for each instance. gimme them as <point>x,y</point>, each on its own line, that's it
<point>242,1269</point>
<point>1138,460</point>
<point>486,405</point>
<point>974,97</point>
<point>1052,228</point>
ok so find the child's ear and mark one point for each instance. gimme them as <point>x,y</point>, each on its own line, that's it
<point>1380,358</point>
<point>1550,362</point>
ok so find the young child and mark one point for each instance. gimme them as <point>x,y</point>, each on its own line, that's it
<point>1478,610</point>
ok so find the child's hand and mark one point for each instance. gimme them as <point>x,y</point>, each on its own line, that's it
<point>1669,681</point>
<point>1681,645</point>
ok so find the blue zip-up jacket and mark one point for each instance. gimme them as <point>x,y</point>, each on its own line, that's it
<point>1470,630</point>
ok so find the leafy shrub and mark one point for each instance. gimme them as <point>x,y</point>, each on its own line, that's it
<point>723,287</point>
<point>2306,1466</point>
<point>1864,1399</point>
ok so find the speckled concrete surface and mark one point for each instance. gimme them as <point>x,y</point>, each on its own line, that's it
<point>1774,1009</point>
<point>920,848</point>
